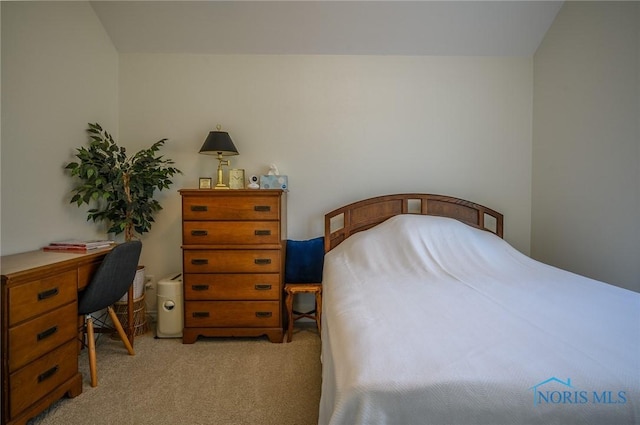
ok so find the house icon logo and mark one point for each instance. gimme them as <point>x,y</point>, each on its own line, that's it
<point>563,392</point>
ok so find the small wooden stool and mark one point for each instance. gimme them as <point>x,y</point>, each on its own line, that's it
<point>302,288</point>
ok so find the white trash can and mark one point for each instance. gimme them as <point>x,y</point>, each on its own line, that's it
<point>170,307</point>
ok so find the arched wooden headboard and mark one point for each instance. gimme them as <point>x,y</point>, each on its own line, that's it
<point>343,222</point>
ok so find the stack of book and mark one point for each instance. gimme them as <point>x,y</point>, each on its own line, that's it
<point>78,245</point>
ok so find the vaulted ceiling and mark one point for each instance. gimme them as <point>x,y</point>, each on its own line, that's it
<point>465,28</point>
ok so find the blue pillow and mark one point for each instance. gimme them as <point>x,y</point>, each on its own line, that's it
<point>304,261</point>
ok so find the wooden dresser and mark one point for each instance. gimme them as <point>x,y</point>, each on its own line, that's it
<point>233,263</point>
<point>40,329</point>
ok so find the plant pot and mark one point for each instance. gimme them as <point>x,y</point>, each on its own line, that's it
<point>138,285</point>
<point>139,310</point>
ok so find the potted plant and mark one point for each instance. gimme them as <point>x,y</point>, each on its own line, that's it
<point>120,187</point>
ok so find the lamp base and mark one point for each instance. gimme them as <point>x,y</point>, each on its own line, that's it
<point>221,162</point>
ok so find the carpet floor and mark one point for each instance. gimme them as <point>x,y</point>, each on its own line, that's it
<point>214,381</point>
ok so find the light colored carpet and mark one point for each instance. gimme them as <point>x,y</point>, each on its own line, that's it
<point>214,381</point>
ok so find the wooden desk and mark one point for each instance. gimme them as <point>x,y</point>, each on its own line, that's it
<point>40,327</point>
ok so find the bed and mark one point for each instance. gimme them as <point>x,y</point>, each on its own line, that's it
<point>430,317</point>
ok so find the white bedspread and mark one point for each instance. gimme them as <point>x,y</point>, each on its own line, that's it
<point>429,321</point>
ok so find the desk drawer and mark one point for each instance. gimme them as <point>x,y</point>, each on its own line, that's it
<point>86,272</point>
<point>231,207</point>
<point>36,337</point>
<point>36,380</point>
<point>39,296</point>
<point>232,261</point>
<point>230,232</point>
<point>229,286</point>
<point>246,314</point>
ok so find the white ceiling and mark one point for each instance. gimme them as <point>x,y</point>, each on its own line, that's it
<point>466,28</point>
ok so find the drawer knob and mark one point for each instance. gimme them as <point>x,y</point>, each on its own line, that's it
<point>46,334</point>
<point>199,233</point>
<point>262,232</point>
<point>199,208</point>
<point>262,261</point>
<point>199,261</point>
<point>262,208</point>
<point>48,374</point>
<point>262,287</point>
<point>200,314</point>
<point>199,287</point>
<point>263,314</point>
<point>47,294</point>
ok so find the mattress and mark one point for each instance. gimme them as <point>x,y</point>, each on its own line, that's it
<point>429,321</point>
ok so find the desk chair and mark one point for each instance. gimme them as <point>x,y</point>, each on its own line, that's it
<point>110,282</point>
<point>304,261</point>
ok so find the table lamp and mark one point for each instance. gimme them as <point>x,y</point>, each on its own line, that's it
<point>219,143</point>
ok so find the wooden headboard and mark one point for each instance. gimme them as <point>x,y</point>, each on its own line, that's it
<point>343,222</point>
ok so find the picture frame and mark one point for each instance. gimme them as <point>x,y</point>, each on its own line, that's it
<point>204,183</point>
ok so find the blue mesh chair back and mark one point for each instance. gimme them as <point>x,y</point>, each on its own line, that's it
<point>112,279</point>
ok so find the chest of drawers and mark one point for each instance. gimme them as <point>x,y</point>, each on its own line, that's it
<point>40,329</point>
<point>233,263</point>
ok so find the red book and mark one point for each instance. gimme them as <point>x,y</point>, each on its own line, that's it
<point>92,244</point>
<point>73,245</point>
<point>63,248</point>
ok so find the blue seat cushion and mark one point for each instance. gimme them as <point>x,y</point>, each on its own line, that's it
<point>304,261</point>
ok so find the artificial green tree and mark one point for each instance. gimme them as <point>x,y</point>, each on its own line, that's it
<point>120,187</point>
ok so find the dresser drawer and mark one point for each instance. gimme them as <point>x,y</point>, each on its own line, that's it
<point>43,375</point>
<point>39,296</point>
<point>230,232</point>
<point>31,339</point>
<point>232,261</point>
<point>230,207</point>
<point>225,286</point>
<point>260,314</point>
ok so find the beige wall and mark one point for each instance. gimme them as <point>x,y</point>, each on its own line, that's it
<point>586,143</point>
<point>59,71</point>
<point>343,128</point>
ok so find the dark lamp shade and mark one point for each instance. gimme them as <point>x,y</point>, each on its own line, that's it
<point>218,142</point>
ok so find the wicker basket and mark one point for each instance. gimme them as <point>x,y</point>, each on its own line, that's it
<point>139,315</point>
